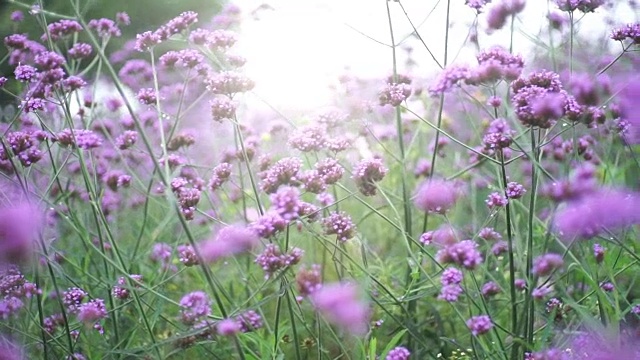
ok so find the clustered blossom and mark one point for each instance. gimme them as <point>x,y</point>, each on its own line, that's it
<point>188,194</point>
<point>147,96</point>
<point>398,353</point>
<point>581,183</point>
<point>13,287</point>
<point>309,138</point>
<point>221,174</point>
<point>161,253</point>
<point>283,172</point>
<point>545,264</point>
<point>269,224</point>
<point>464,253</point>
<point>341,305</point>
<point>489,289</point>
<point>91,312</point>
<point>249,321</point>
<point>81,138</point>
<point>24,146</point>
<point>61,29</point>
<point>539,100</point>
<point>496,199</point>
<point>229,83</point>
<point>330,170</point>
<point>105,27</point>
<point>180,23</point>
<point>489,234</point>
<point>187,255</point>
<point>450,280</point>
<point>445,235</point>
<point>629,31</point>
<point>480,324</point>
<point>339,224</point>
<point>394,94</point>
<point>222,108</point>
<point>195,306</point>
<point>598,252</point>
<point>80,51</point>
<point>367,173</point>
<point>126,140</point>
<point>436,196</point>
<point>476,4</point>
<point>583,5</point>
<point>498,14</point>
<point>590,214</point>
<point>120,291</point>
<point>309,280</point>
<point>272,259</point>
<point>515,190</point>
<point>230,240</point>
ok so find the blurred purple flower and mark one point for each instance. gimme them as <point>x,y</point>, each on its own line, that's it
<point>230,240</point>
<point>342,306</point>
<point>606,209</point>
<point>436,196</point>
<point>19,227</point>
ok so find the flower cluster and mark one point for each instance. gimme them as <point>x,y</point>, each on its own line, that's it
<point>340,224</point>
<point>464,253</point>
<point>272,259</point>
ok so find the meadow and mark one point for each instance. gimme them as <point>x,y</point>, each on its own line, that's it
<point>487,212</point>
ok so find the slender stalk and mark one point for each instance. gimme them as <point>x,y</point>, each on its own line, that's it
<point>532,207</point>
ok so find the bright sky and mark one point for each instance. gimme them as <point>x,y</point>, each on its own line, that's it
<point>297,48</point>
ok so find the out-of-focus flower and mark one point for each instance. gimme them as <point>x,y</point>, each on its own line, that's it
<point>480,324</point>
<point>19,227</point>
<point>600,211</point>
<point>341,305</point>
<point>436,196</point>
<point>229,241</point>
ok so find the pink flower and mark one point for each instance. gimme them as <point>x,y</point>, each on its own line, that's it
<point>436,196</point>
<point>229,241</point>
<point>340,304</point>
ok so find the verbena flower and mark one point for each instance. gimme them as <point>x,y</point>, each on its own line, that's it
<point>229,241</point>
<point>366,173</point>
<point>464,253</point>
<point>597,212</point>
<point>398,353</point>
<point>272,259</point>
<point>544,265</point>
<point>195,306</point>
<point>436,196</point>
<point>339,224</point>
<point>480,324</point>
<point>308,280</point>
<point>341,305</point>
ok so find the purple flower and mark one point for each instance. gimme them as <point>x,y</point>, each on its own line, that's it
<point>17,16</point>
<point>269,224</point>
<point>490,288</point>
<point>450,293</point>
<point>61,29</point>
<point>229,83</point>
<point>222,108</point>
<point>545,264</point>
<point>449,78</point>
<point>272,259</point>
<point>341,305</point>
<point>283,172</point>
<point>228,327</point>
<point>606,209</point>
<point>367,173</point>
<point>286,203</point>
<point>72,298</point>
<point>598,252</point>
<point>515,190</point>
<point>25,73</point>
<point>309,138</point>
<point>195,305</point>
<point>607,286</point>
<point>249,321</point>
<point>496,199</point>
<point>120,291</point>
<point>308,281</point>
<point>480,324</point>
<point>340,224</point>
<point>92,311</point>
<point>436,196</point>
<point>19,227</point>
<point>161,253</point>
<point>230,240</point>
<point>105,27</point>
<point>500,248</point>
<point>498,14</point>
<point>394,94</point>
<point>126,140</point>
<point>489,234</point>
<point>147,96</point>
<point>541,292</point>
<point>187,255</point>
<point>398,353</point>
<point>451,276</point>
<point>83,139</point>
<point>464,253</point>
